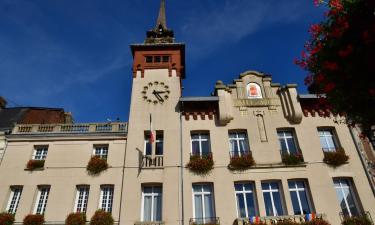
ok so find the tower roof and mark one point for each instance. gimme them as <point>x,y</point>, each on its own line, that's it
<point>160,33</point>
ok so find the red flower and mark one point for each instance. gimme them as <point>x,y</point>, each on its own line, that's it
<point>329,87</point>
<point>317,2</point>
<point>319,78</point>
<point>315,30</point>
<point>336,4</point>
<point>345,52</point>
<point>308,80</point>
<point>331,66</point>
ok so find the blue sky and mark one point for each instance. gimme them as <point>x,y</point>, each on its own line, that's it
<point>74,54</point>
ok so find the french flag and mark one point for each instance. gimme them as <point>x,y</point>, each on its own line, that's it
<point>254,219</point>
<point>310,217</point>
<point>152,138</point>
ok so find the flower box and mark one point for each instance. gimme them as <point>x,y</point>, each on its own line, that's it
<point>336,158</point>
<point>35,164</point>
<point>76,219</point>
<point>6,218</point>
<point>33,220</point>
<point>102,218</point>
<point>357,220</point>
<point>292,159</point>
<point>200,164</point>
<point>96,165</point>
<point>243,162</point>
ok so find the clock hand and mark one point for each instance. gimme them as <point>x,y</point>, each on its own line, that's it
<point>159,97</point>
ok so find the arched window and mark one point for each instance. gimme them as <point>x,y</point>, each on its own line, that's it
<point>253,91</point>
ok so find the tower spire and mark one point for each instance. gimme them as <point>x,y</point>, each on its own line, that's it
<point>162,21</point>
<point>160,33</point>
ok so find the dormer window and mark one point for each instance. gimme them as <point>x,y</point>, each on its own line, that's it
<point>253,90</point>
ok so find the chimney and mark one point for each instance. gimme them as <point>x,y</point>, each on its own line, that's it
<point>3,103</point>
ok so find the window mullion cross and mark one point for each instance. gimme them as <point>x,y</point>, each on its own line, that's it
<point>297,190</point>
<point>245,200</point>
<point>344,196</point>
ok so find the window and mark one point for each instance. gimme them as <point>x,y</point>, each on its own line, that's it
<point>14,199</point>
<point>239,143</point>
<point>287,142</point>
<point>106,198</point>
<point>204,211</point>
<point>165,58</point>
<point>148,145</point>
<point>200,144</point>
<point>245,199</point>
<point>152,203</point>
<point>346,196</point>
<point>253,91</point>
<point>82,197</point>
<point>101,151</point>
<point>157,59</point>
<point>300,197</point>
<point>272,198</point>
<point>327,140</point>
<point>148,59</point>
<point>41,200</point>
<point>159,143</point>
<point>40,152</point>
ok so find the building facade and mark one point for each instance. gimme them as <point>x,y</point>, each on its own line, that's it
<point>253,150</point>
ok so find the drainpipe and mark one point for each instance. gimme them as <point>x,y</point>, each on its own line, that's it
<point>372,185</point>
<point>182,213</point>
<point>123,176</point>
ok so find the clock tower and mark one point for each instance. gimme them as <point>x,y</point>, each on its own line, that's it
<point>153,144</point>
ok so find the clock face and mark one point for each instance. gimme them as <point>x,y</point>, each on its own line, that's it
<point>155,92</point>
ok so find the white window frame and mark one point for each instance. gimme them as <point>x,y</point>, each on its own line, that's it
<point>40,148</point>
<point>42,199</point>
<point>331,135</point>
<point>106,194</point>
<point>297,190</point>
<point>82,197</point>
<point>202,193</point>
<point>259,90</point>
<point>237,140</point>
<point>271,191</point>
<point>285,137</point>
<point>101,151</point>
<point>243,193</point>
<point>351,191</point>
<point>14,199</point>
<point>153,194</point>
<point>200,140</point>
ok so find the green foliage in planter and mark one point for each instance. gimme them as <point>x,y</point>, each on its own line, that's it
<point>357,220</point>
<point>96,165</point>
<point>200,164</point>
<point>242,162</point>
<point>33,220</point>
<point>287,222</point>
<point>292,159</point>
<point>35,164</point>
<point>6,218</point>
<point>76,219</point>
<point>102,218</point>
<point>336,158</point>
<point>316,222</point>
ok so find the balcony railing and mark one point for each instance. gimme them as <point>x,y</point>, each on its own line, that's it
<point>275,219</point>
<point>149,161</point>
<point>79,128</point>
<point>365,218</point>
<point>150,223</point>
<point>205,221</point>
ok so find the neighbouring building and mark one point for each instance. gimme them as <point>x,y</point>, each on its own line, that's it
<point>252,150</point>
<point>9,117</point>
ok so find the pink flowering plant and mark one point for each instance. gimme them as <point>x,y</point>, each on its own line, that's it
<point>340,59</point>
